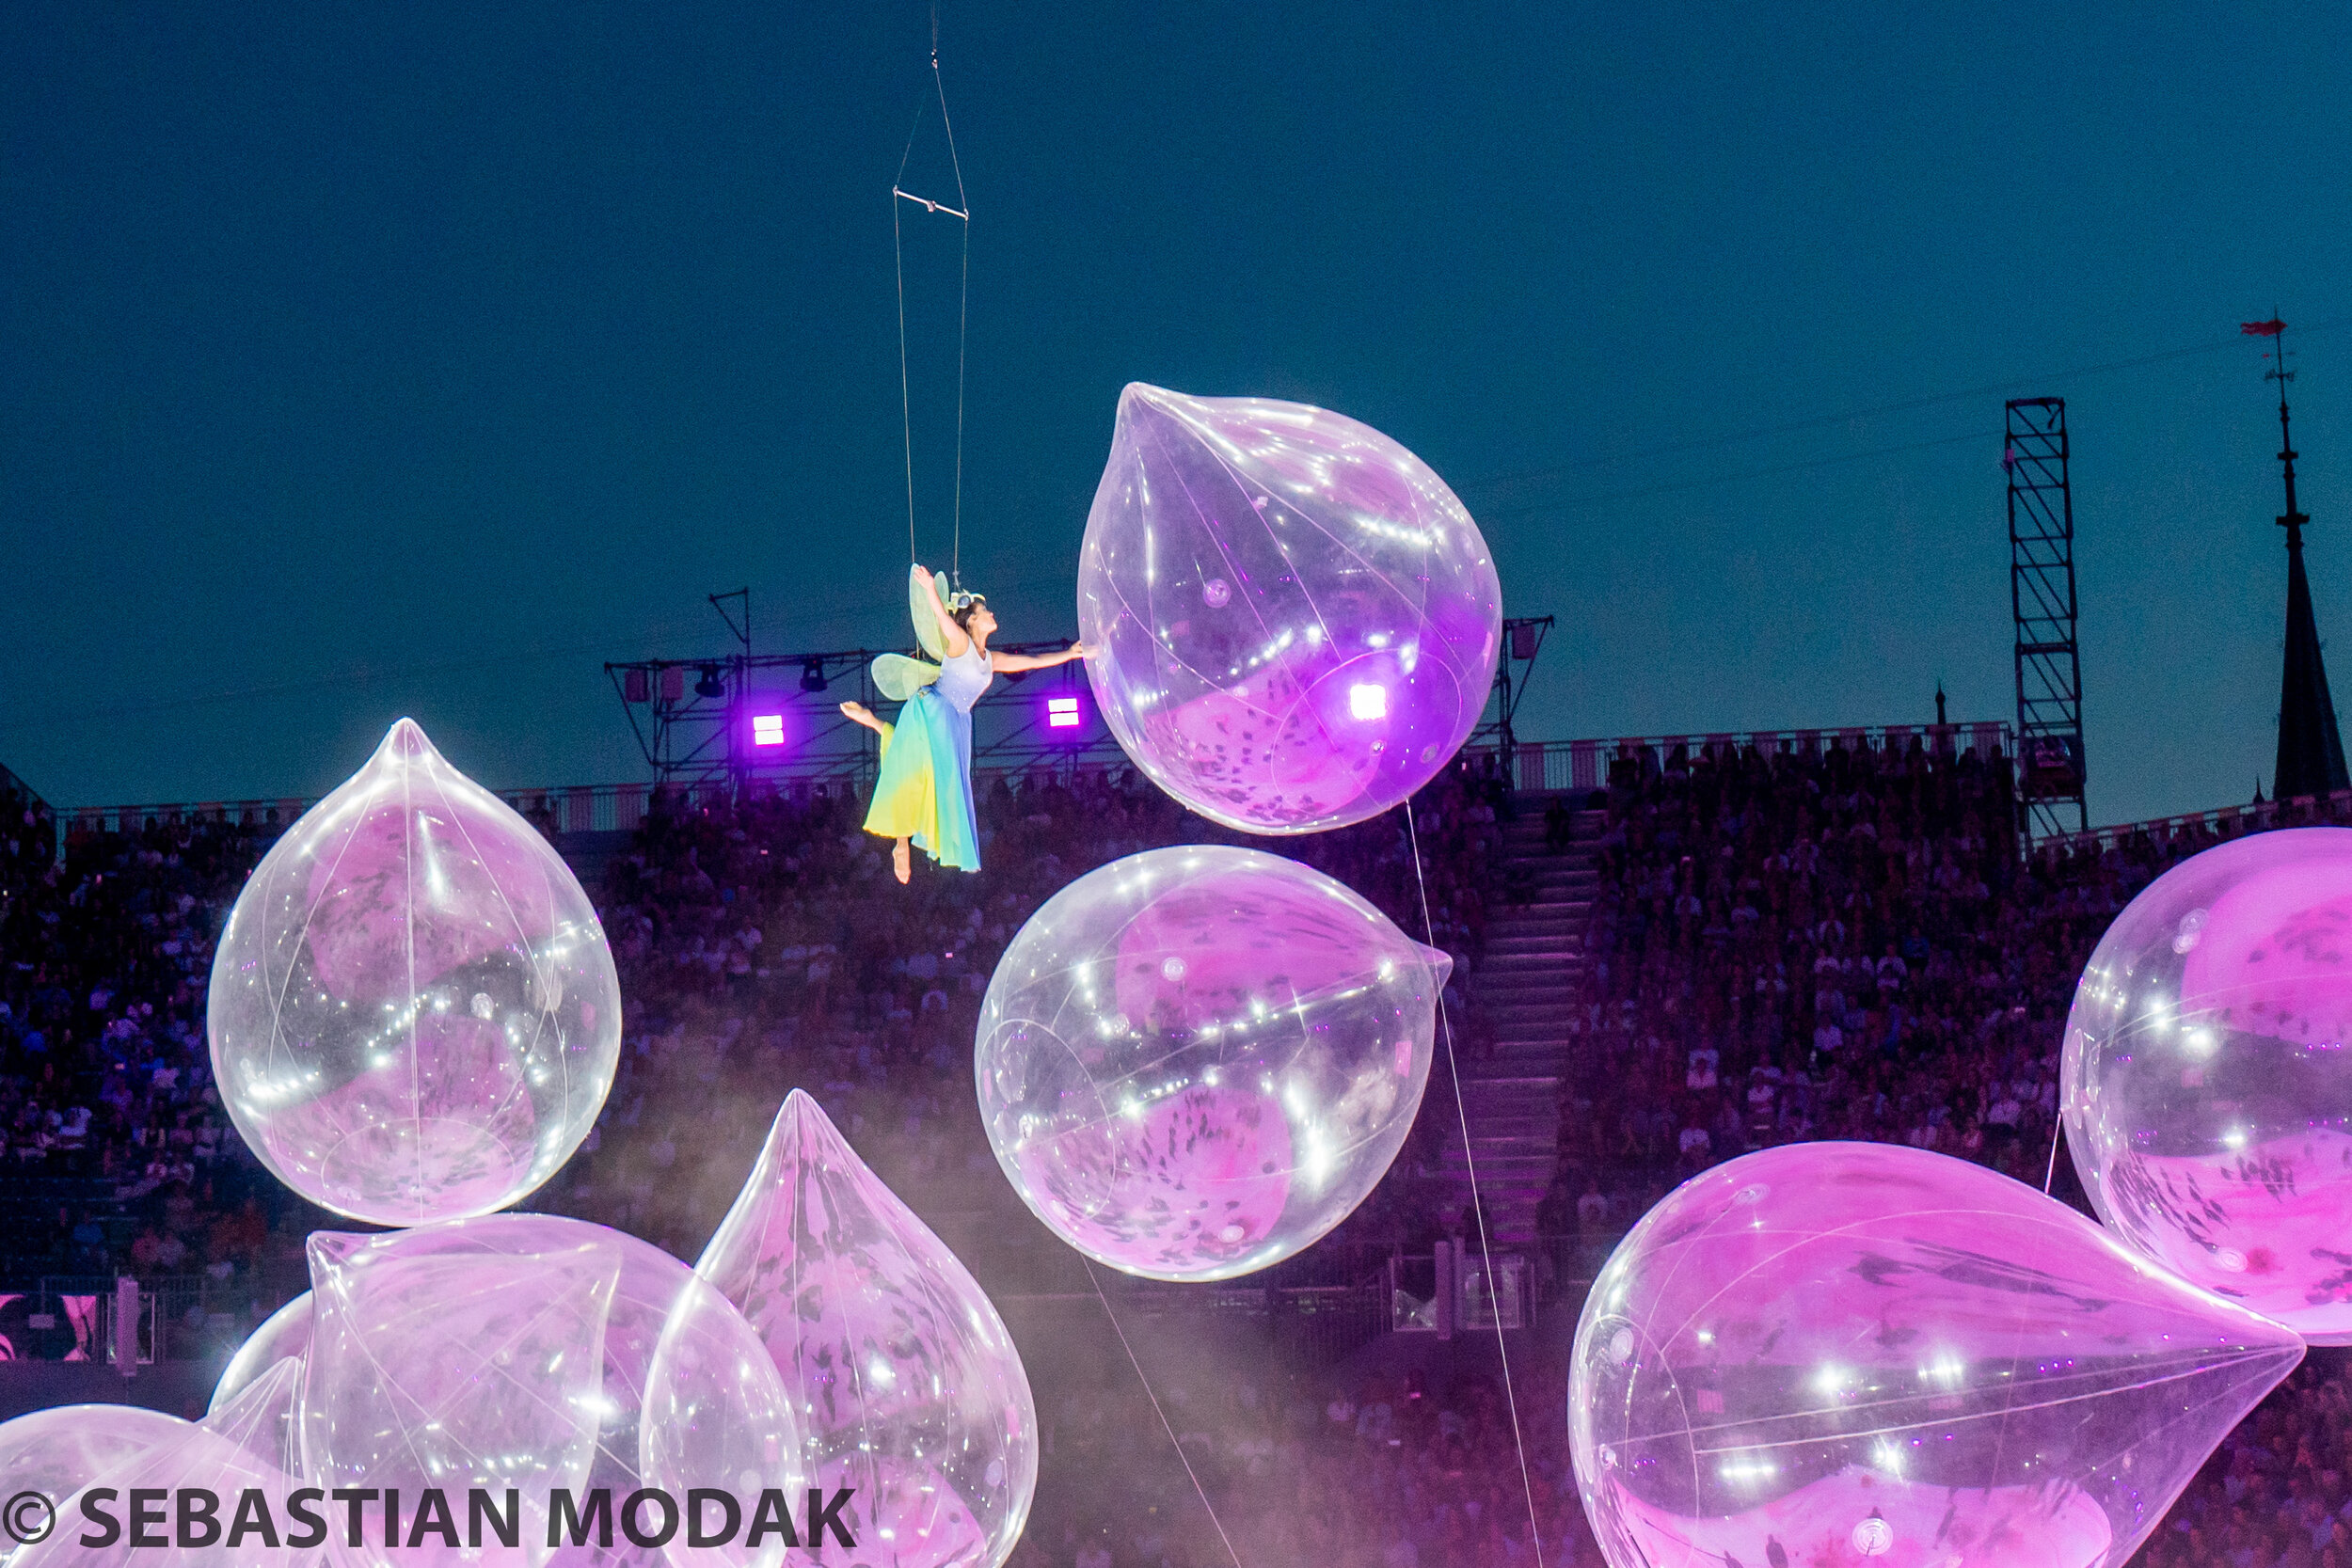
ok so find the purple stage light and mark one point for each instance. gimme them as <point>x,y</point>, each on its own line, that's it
<point>1061,713</point>
<point>767,729</point>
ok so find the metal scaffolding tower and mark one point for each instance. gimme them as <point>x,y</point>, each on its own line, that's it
<point>2041,600</point>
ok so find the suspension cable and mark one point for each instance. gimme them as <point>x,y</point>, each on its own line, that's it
<point>961,212</point>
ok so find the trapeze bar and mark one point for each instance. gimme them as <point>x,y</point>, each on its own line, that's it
<point>929,205</point>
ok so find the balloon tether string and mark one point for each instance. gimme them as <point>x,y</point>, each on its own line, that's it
<point>1478,1207</point>
<point>1174,1442</point>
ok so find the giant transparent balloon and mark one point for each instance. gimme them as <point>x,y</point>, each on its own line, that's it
<point>1194,1061</point>
<point>687,1396</point>
<point>910,1390</point>
<point>2206,1086</point>
<point>459,1372</point>
<point>414,1015</point>
<point>1294,623</point>
<point>55,1453</point>
<point>285,1333</point>
<point>1833,1352</point>
<point>242,1454</point>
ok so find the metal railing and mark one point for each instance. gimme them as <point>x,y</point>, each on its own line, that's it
<point>1583,765</point>
<point>1538,765</point>
<point>2296,811</point>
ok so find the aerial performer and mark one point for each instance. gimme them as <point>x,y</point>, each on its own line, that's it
<point>923,797</point>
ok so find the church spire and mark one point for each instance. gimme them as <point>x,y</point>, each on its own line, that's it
<point>2310,750</point>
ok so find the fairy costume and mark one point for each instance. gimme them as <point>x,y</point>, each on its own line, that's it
<point>924,792</point>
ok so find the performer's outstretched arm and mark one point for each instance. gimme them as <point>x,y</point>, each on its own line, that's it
<point>1005,664</point>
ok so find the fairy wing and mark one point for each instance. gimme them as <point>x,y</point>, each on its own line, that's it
<point>898,677</point>
<point>927,630</point>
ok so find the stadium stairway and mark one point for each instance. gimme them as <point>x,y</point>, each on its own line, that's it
<point>1527,987</point>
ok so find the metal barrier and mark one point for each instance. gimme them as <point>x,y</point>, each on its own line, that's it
<point>1414,1283</point>
<point>73,1318</point>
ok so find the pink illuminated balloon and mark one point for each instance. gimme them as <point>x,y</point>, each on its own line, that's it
<point>244,1455</point>
<point>1194,1061</point>
<point>1294,623</point>
<point>1833,1353</point>
<point>455,1370</point>
<point>413,1012</point>
<point>57,1452</point>
<point>2207,1093</point>
<point>285,1333</point>
<point>910,1390</point>
<point>687,1395</point>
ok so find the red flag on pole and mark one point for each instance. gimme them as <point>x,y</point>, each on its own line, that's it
<point>2270,329</point>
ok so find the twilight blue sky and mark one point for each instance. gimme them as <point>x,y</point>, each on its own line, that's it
<point>358,360</point>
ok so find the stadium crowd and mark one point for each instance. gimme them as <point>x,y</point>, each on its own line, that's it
<point>1782,946</point>
<point>114,1151</point>
<point>1840,944</point>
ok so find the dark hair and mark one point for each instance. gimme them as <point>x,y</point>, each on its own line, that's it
<point>962,617</point>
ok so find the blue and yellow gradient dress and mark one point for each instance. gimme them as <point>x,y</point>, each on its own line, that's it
<point>925,791</point>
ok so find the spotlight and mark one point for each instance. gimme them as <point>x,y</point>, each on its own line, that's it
<point>710,686</point>
<point>1368,701</point>
<point>1061,713</point>
<point>813,675</point>
<point>767,729</point>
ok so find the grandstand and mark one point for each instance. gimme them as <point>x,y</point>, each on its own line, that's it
<point>1668,950</point>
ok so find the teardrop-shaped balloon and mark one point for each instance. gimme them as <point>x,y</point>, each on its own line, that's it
<point>285,1333</point>
<point>2205,1080</point>
<point>54,1453</point>
<point>1834,1351</point>
<point>244,1455</point>
<point>414,1014</point>
<point>1294,623</point>
<point>689,1397</point>
<point>1193,1062</point>
<point>455,1370</point>
<point>910,1389</point>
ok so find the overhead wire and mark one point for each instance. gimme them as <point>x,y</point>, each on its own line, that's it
<point>1901,405</point>
<point>1574,502</point>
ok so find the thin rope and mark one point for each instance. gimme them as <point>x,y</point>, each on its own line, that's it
<point>2058,1131</point>
<point>964,300</point>
<point>962,212</point>
<point>1478,1207</point>
<point>906,412</point>
<point>1173,1442</point>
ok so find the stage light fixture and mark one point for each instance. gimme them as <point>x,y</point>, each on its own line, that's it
<point>813,675</point>
<point>767,729</point>
<point>1368,701</point>
<point>710,686</point>
<point>1061,713</point>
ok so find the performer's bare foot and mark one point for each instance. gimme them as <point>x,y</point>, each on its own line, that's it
<point>858,713</point>
<point>901,863</point>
